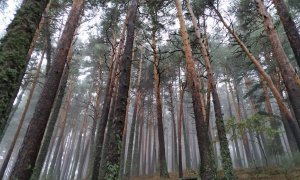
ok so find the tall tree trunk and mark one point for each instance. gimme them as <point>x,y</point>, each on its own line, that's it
<point>14,48</point>
<point>259,135</point>
<point>224,147</point>
<point>115,141</point>
<point>238,154</point>
<point>11,147</point>
<point>161,140</point>
<point>180,172</point>
<point>175,157</point>
<point>52,121</point>
<point>83,159</point>
<point>124,138</point>
<point>283,108</point>
<point>287,72</point>
<point>136,152</point>
<point>33,138</point>
<point>133,122</point>
<point>289,27</point>
<point>276,142</point>
<point>186,139</point>
<point>80,147</point>
<point>238,119</point>
<point>62,125</point>
<point>207,169</point>
<point>107,104</point>
<point>48,41</point>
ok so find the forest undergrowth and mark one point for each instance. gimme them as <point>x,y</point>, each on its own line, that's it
<point>270,173</point>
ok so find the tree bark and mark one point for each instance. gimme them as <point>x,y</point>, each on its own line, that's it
<point>11,148</point>
<point>283,108</point>
<point>235,142</point>
<point>170,88</point>
<point>224,147</point>
<point>289,27</point>
<point>137,137</point>
<point>207,169</point>
<point>133,122</point>
<point>121,102</point>
<point>107,105</point>
<point>238,119</point>
<point>33,138</point>
<point>289,76</point>
<point>180,172</point>
<point>161,140</point>
<point>14,48</point>
<point>52,121</point>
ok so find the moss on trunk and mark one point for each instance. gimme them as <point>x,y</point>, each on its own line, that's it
<point>13,52</point>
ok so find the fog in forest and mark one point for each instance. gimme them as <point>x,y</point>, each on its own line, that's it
<point>149,89</point>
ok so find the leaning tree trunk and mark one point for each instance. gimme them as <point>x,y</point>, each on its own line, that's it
<point>207,168</point>
<point>14,47</point>
<point>11,148</point>
<point>52,121</point>
<point>224,147</point>
<point>283,108</point>
<point>287,72</point>
<point>113,158</point>
<point>34,135</point>
<point>289,27</point>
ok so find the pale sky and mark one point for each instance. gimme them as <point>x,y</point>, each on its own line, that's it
<point>8,15</point>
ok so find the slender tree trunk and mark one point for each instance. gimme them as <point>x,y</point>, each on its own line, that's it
<point>290,27</point>
<point>239,159</point>
<point>276,142</point>
<point>109,132</point>
<point>137,137</point>
<point>287,72</point>
<point>125,134</point>
<point>48,41</point>
<point>11,147</point>
<point>180,172</point>
<point>14,47</point>
<point>207,169</point>
<point>238,119</point>
<point>83,159</point>
<point>283,108</point>
<point>19,99</point>
<point>225,153</point>
<point>62,125</point>
<point>175,157</point>
<point>52,121</point>
<point>186,139</point>
<point>106,105</point>
<point>146,142</point>
<point>133,122</point>
<point>33,138</point>
<point>260,136</point>
<point>103,120</point>
<point>115,141</point>
<point>162,157</point>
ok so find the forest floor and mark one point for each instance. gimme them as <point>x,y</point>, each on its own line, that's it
<point>243,174</point>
